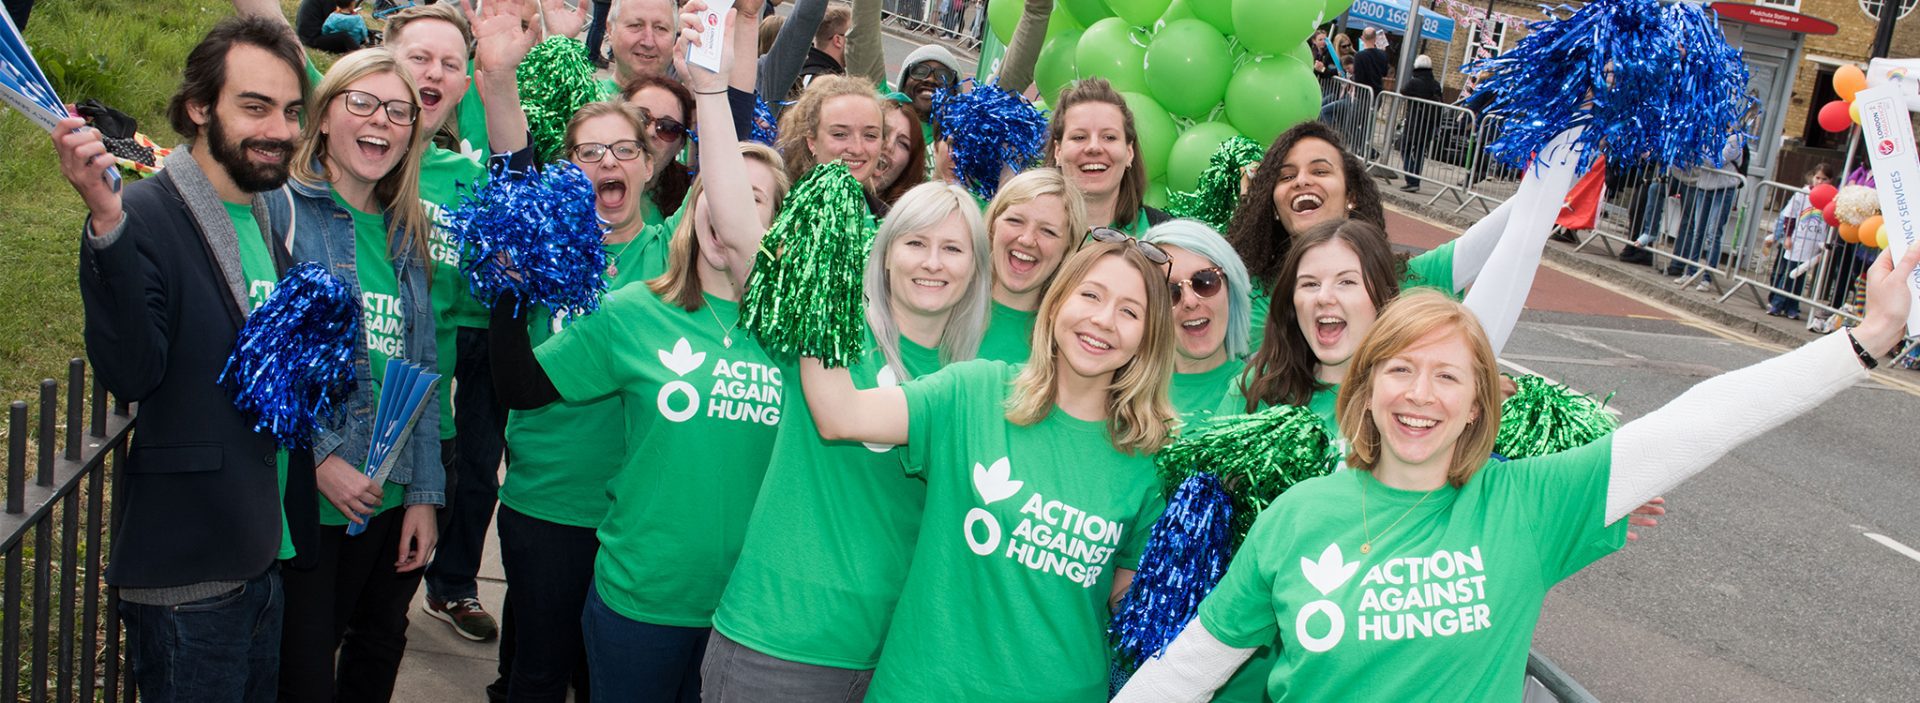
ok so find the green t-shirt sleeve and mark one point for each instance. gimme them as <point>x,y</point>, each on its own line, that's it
<point>1564,497</point>
<point>1432,268</point>
<point>1239,612</point>
<point>932,402</point>
<point>1129,555</point>
<point>583,360</point>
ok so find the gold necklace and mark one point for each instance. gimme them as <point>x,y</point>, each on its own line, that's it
<point>1367,546</point>
<point>726,333</point>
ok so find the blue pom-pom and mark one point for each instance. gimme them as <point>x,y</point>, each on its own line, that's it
<point>766,129</point>
<point>535,234</point>
<point>1650,84</point>
<point>1185,556</point>
<point>293,361</point>
<point>986,129</point>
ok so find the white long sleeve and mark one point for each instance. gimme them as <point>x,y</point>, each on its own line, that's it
<point>1498,298</point>
<point>1653,454</point>
<point>1194,665</point>
<point>1471,249</point>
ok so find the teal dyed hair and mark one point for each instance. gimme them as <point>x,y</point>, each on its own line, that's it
<point>1197,237</point>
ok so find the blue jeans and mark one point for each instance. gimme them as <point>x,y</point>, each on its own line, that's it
<point>473,477</point>
<point>1652,206</point>
<point>597,29</point>
<point>224,649</point>
<point>549,571</point>
<point>629,660</point>
<point>1784,304</point>
<point>1700,229</point>
<point>1413,157</point>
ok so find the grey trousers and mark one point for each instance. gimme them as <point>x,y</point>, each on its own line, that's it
<point>732,673</point>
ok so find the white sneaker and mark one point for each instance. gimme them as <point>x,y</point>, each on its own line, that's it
<point>1681,281</point>
<point>1705,286</point>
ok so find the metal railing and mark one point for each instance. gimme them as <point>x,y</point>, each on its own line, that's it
<point>1425,142</point>
<point>1348,108</point>
<point>1807,265</point>
<point>62,636</point>
<point>923,17</point>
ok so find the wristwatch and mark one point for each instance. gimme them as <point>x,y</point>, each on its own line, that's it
<point>1866,359</point>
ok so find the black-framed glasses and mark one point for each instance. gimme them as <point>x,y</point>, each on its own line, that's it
<point>363,104</point>
<point>592,153</point>
<point>928,69</point>
<point>1153,252</point>
<point>1205,283</point>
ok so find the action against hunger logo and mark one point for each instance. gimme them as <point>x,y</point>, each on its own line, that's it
<point>742,390</point>
<point>1439,595</point>
<point>1052,537</point>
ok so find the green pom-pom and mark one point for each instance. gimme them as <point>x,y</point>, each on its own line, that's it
<point>1544,417</point>
<point>1256,457</point>
<point>1213,200</point>
<point>806,295</point>
<point>555,81</point>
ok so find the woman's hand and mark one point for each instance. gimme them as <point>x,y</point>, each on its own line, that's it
<point>351,492</point>
<point>418,533</point>
<point>562,22</point>
<point>1888,301</point>
<point>502,39</point>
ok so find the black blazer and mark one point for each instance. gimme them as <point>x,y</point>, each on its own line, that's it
<point>198,494</point>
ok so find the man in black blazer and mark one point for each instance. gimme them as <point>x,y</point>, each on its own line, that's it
<point>168,272</point>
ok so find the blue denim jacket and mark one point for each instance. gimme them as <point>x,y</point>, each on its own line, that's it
<point>321,231</point>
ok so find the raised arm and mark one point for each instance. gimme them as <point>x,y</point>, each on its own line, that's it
<point>746,47</point>
<point>781,65</point>
<point>1653,454</point>
<point>1498,297</point>
<point>865,55</point>
<point>723,169</point>
<point>1016,67</point>
<point>501,42</point>
<point>1193,666</point>
<point>843,412</point>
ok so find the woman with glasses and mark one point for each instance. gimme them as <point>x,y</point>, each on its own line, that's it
<point>700,406</point>
<point>1034,224</point>
<point>1039,487</point>
<point>354,200</point>
<point>670,108</point>
<point>827,549</point>
<point>1092,140</point>
<point>1210,291</point>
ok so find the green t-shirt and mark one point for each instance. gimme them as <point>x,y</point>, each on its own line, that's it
<point>1009,335</point>
<point>470,121</point>
<point>1445,604</point>
<point>828,547</point>
<point>446,177</point>
<point>701,414</point>
<point>383,325</point>
<point>1023,529</point>
<point>1139,227</point>
<point>1432,268</point>
<point>560,457</point>
<point>256,264</point>
<point>1199,396</point>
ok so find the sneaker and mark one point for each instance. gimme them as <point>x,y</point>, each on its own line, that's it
<point>1564,237</point>
<point>1636,255</point>
<point>467,617</point>
<point>1793,316</point>
<point>1681,281</point>
<point>1705,286</point>
<point>1409,188</point>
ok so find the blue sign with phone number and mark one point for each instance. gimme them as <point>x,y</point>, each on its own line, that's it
<point>1392,17</point>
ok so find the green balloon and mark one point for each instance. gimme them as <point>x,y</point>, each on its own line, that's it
<point>1269,95</point>
<point>1062,21</point>
<point>1156,195</point>
<point>1188,66</point>
<point>1055,68</point>
<point>1175,12</point>
<point>1218,13</point>
<point>1336,7</point>
<point>1114,50</point>
<point>1273,27</point>
<point>1002,15</point>
<point>1155,129</point>
<point>1086,12</point>
<point>1193,150</point>
<point>1139,13</point>
<point>1300,53</point>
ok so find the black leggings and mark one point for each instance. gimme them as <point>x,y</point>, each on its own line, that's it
<point>352,602</point>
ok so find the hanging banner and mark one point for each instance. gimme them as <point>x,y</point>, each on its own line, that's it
<point>1392,17</point>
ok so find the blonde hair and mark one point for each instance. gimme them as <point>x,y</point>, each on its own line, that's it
<point>1405,321</point>
<point>1140,416</point>
<point>1031,185</point>
<point>923,208</point>
<point>802,119</point>
<point>397,192</point>
<point>680,285</point>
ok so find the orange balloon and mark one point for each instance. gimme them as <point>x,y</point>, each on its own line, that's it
<point>1849,233</point>
<point>1870,230</point>
<point>1849,79</point>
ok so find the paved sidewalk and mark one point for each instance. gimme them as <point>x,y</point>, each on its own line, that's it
<point>443,666</point>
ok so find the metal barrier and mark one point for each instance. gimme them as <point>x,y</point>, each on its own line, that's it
<point>1348,108</point>
<point>923,17</point>
<point>1806,265</point>
<point>73,643</point>
<point>1698,215</point>
<point>1425,141</point>
<point>1488,180</point>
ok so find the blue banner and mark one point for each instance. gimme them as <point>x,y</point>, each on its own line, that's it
<point>1392,17</point>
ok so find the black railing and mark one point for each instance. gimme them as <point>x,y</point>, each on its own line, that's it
<point>72,649</point>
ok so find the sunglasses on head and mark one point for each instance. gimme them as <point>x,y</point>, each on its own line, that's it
<point>363,104</point>
<point>1153,252</point>
<point>928,69</point>
<point>1205,283</point>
